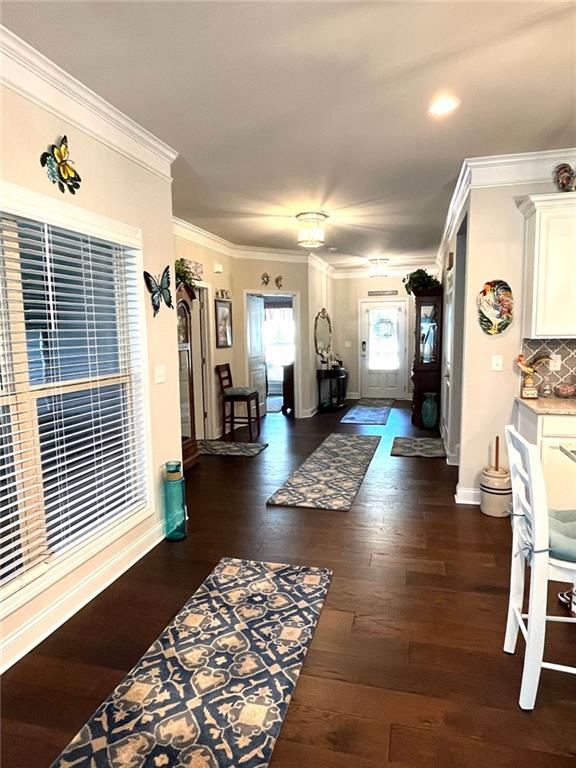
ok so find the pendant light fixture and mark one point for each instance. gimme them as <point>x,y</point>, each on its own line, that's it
<point>311,229</point>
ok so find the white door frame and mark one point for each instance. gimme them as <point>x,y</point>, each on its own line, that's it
<point>210,384</point>
<point>296,308</point>
<point>365,304</point>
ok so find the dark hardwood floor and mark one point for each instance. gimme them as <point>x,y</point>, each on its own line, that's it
<point>406,667</point>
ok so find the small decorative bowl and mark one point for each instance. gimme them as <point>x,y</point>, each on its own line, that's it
<point>565,390</point>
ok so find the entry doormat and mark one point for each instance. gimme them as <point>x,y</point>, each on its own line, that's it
<point>419,447</point>
<point>224,448</point>
<point>213,689</point>
<point>331,476</point>
<point>368,411</point>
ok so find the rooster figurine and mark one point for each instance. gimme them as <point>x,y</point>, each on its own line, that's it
<point>529,389</point>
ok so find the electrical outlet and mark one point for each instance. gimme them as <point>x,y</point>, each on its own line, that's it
<point>555,363</point>
<point>159,374</point>
<point>497,363</point>
<point>347,344</point>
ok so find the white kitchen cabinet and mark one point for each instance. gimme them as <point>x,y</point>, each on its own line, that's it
<point>550,423</point>
<point>550,266</point>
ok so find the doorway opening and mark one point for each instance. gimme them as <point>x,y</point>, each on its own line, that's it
<point>272,350</point>
<point>383,349</point>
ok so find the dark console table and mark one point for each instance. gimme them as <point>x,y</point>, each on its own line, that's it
<point>332,386</point>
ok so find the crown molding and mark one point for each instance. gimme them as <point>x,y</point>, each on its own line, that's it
<point>202,237</point>
<point>186,231</point>
<point>26,71</point>
<point>319,263</point>
<point>391,271</point>
<point>521,168</point>
<point>499,171</point>
<point>556,200</point>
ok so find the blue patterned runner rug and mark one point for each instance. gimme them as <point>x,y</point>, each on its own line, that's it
<point>331,476</point>
<point>213,689</point>
<point>368,411</point>
<point>225,448</point>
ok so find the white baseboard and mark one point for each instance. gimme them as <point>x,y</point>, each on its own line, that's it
<point>27,636</point>
<point>467,495</point>
<point>452,458</point>
<point>307,413</point>
<point>353,396</point>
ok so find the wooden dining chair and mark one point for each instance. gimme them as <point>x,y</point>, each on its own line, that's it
<point>546,541</point>
<point>231,395</point>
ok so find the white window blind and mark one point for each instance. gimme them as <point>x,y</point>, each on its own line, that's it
<point>72,443</point>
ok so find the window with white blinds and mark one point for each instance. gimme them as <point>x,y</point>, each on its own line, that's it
<point>72,442</point>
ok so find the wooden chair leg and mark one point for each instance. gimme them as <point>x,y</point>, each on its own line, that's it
<point>249,414</point>
<point>223,419</point>
<point>258,416</point>
<point>232,436</point>
<point>536,632</point>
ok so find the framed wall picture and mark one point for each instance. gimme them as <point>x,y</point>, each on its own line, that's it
<point>223,323</point>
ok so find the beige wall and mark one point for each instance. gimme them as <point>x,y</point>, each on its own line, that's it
<point>121,189</point>
<point>186,249</point>
<point>347,294</point>
<point>247,278</point>
<point>495,250</point>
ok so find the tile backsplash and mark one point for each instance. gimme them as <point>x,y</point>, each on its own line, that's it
<point>566,348</point>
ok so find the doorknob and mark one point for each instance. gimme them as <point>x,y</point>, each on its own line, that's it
<point>363,349</point>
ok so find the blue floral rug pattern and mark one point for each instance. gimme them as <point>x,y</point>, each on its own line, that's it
<point>213,689</point>
<point>368,411</point>
<point>419,447</point>
<point>226,448</point>
<point>331,476</point>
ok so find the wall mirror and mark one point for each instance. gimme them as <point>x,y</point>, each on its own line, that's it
<point>323,333</point>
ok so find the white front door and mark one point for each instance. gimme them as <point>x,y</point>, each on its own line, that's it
<point>255,346</point>
<point>383,349</point>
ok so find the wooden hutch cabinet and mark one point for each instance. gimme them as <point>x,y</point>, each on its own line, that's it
<point>427,366</point>
<point>190,454</point>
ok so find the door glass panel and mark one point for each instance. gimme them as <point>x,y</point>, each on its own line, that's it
<point>428,333</point>
<point>383,339</point>
<point>185,410</point>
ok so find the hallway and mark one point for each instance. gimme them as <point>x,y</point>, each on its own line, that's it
<point>406,666</point>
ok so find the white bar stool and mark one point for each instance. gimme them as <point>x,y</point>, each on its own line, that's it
<point>546,541</point>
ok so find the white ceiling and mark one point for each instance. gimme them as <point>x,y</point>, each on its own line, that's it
<point>280,107</point>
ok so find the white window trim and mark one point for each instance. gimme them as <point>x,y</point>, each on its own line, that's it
<point>33,205</point>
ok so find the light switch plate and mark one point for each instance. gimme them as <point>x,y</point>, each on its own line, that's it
<point>555,363</point>
<point>159,374</point>
<point>497,363</point>
<point>347,344</point>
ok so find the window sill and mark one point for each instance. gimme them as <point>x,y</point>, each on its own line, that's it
<point>22,589</point>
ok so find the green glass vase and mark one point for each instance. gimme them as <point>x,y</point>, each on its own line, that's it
<point>429,410</point>
<point>175,514</point>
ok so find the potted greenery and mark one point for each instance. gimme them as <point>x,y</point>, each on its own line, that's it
<point>419,282</point>
<point>185,276</point>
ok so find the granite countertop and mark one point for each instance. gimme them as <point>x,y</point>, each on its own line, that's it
<point>545,406</point>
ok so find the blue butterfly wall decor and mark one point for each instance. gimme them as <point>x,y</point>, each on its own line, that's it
<point>159,290</point>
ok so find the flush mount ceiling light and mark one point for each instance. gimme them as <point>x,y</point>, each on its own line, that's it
<point>378,267</point>
<point>311,229</point>
<point>443,105</point>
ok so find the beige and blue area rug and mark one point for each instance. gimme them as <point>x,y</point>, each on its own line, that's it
<point>224,448</point>
<point>419,447</point>
<point>214,688</point>
<point>331,476</point>
<point>368,411</point>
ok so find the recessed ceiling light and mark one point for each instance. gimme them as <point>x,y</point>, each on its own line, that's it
<point>443,105</point>
<point>332,248</point>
